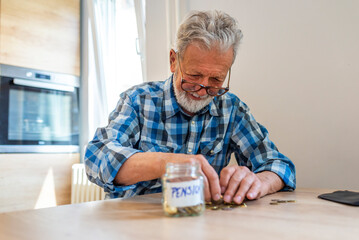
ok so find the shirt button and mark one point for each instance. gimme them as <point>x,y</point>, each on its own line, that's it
<point>190,150</point>
<point>192,122</point>
<point>212,152</point>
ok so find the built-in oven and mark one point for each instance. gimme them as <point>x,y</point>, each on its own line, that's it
<point>39,111</point>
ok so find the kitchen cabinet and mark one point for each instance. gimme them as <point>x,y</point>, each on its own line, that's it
<point>41,34</point>
<point>32,181</point>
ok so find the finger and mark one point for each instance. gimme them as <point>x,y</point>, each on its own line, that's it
<point>254,190</point>
<point>212,178</point>
<point>207,192</point>
<point>244,187</point>
<point>225,176</point>
<point>206,188</point>
<point>233,185</point>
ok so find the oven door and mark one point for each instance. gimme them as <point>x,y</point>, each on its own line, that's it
<point>36,117</point>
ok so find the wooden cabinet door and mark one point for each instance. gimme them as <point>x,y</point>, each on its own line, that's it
<point>41,34</point>
<point>31,181</point>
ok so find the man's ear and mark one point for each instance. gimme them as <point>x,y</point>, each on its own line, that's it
<point>173,60</point>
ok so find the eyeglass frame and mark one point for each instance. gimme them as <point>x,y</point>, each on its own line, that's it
<point>226,89</point>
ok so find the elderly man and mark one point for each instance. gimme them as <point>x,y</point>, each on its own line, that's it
<point>190,117</point>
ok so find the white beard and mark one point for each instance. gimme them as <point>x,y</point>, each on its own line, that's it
<point>190,105</point>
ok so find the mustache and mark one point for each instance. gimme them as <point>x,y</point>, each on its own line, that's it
<point>198,96</point>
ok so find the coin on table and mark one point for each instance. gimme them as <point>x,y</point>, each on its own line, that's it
<point>218,202</point>
<point>228,207</point>
<point>214,208</point>
<point>234,205</point>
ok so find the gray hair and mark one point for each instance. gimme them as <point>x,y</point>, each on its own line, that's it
<point>209,28</point>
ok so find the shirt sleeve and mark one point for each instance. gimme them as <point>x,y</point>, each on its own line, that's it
<point>255,150</point>
<point>112,146</point>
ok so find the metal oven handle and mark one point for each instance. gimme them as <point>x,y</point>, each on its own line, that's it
<point>30,83</point>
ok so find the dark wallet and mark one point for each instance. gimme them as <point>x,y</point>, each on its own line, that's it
<point>345,197</point>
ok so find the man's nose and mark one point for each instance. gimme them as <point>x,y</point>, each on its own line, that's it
<point>203,91</point>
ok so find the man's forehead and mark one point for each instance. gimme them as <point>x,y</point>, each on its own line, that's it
<point>195,58</point>
<point>198,50</point>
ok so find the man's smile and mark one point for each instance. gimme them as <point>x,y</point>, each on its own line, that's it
<point>196,97</point>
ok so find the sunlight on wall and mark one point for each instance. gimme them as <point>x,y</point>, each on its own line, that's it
<point>47,196</point>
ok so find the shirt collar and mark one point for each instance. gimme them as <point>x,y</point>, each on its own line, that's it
<point>171,107</point>
<point>214,108</point>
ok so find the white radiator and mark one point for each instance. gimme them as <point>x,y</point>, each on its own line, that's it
<point>82,190</point>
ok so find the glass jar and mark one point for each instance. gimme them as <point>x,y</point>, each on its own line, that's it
<point>183,190</point>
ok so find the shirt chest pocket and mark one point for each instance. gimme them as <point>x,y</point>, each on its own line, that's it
<point>210,149</point>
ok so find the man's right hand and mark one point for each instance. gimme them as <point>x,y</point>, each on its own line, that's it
<point>151,165</point>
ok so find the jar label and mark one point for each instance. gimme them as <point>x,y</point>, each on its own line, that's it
<point>183,194</point>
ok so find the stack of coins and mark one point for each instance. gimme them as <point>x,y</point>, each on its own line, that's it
<point>221,205</point>
<point>278,201</point>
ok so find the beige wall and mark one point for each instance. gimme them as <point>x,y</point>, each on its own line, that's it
<point>297,69</point>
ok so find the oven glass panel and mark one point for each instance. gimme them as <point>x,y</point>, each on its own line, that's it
<point>42,116</point>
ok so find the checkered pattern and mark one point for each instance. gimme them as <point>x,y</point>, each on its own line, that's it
<point>148,119</point>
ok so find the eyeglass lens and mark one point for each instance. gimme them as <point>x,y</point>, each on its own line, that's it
<point>194,87</point>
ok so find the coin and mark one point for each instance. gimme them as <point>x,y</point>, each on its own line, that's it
<point>220,204</point>
<point>278,201</point>
<point>227,208</point>
<point>214,208</point>
<point>171,210</point>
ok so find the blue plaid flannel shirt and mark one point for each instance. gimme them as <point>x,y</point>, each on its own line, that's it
<point>148,118</point>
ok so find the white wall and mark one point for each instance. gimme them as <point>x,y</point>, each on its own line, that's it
<point>297,69</point>
<point>157,52</point>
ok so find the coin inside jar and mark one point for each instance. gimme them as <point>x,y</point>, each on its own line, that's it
<point>182,187</point>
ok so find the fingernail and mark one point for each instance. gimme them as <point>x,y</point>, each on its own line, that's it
<point>238,199</point>
<point>227,198</point>
<point>216,197</point>
<point>223,189</point>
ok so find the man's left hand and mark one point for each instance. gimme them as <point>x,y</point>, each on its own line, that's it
<point>238,183</point>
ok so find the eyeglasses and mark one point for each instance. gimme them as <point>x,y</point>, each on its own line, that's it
<point>188,86</point>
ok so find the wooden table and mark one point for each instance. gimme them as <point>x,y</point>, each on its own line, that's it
<point>142,217</point>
